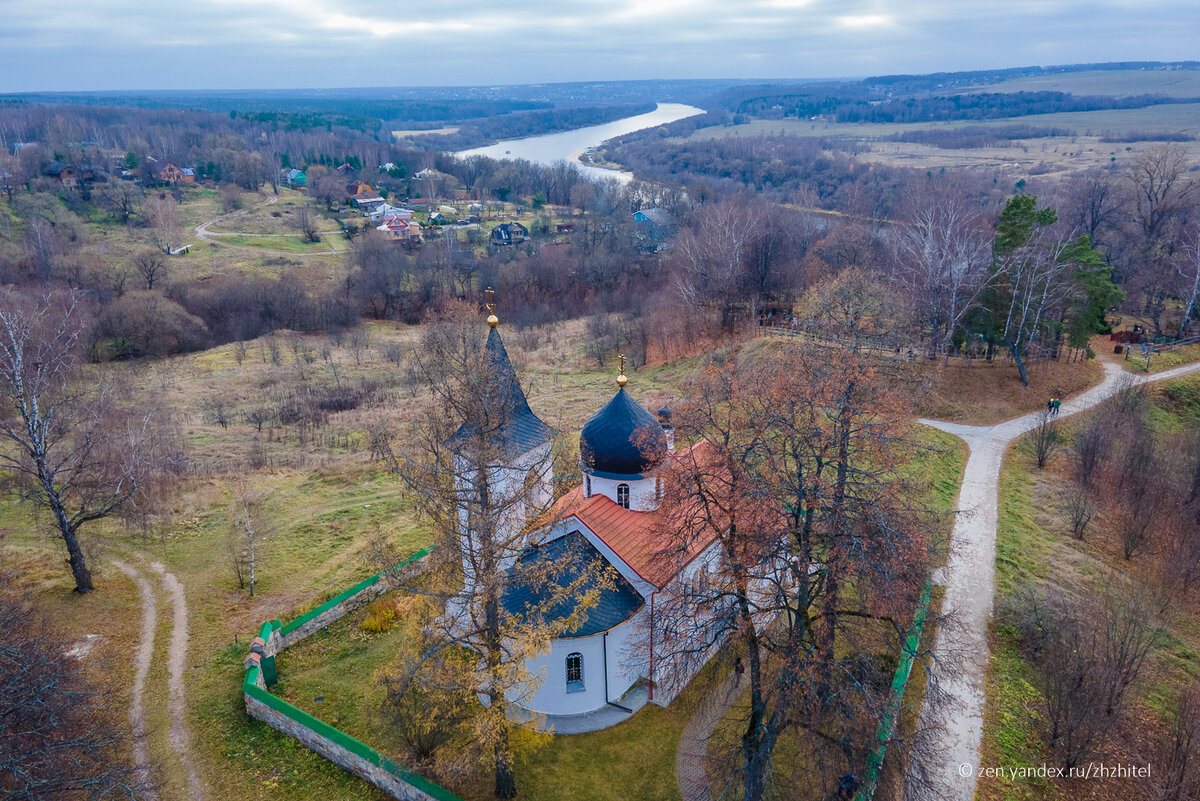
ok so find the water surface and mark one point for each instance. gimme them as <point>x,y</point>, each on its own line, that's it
<point>570,145</point>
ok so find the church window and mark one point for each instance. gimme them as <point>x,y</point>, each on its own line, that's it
<point>623,495</point>
<point>575,673</point>
<point>587,486</point>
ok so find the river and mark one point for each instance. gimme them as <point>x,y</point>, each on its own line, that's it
<point>570,145</point>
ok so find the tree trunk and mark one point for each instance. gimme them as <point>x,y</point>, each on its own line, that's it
<point>83,576</point>
<point>1016,354</point>
<point>506,783</point>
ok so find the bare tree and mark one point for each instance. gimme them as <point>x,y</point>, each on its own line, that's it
<point>822,559</point>
<point>1089,649</point>
<point>249,531</point>
<point>359,341</point>
<point>73,451</point>
<point>1045,440</point>
<point>1177,770</point>
<point>1080,509</point>
<point>1161,188</point>
<point>163,215</point>
<point>123,199</point>
<point>1189,274</point>
<point>1090,446</point>
<point>151,264</point>
<point>306,224</point>
<point>710,257</point>
<point>942,252</point>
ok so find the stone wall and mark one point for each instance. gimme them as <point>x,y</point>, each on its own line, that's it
<point>342,757</point>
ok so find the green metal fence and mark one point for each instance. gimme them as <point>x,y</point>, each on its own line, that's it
<point>887,724</point>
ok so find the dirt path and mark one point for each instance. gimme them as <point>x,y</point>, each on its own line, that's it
<point>178,734</point>
<point>955,712</point>
<point>690,759</point>
<point>142,658</point>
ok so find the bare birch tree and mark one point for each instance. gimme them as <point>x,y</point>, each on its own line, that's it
<point>74,451</point>
<point>942,252</point>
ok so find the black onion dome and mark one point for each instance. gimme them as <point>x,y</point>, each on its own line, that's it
<point>622,440</point>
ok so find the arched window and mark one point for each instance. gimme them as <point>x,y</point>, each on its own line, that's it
<point>587,486</point>
<point>575,673</point>
<point>623,495</point>
<point>658,489</point>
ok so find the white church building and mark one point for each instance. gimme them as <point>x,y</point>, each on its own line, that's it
<point>604,669</point>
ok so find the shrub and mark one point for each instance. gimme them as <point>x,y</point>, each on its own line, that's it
<point>381,616</point>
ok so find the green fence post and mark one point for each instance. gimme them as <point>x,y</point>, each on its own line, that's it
<point>268,670</point>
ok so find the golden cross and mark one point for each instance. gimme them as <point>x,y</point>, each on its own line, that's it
<point>621,359</point>
<point>491,300</point>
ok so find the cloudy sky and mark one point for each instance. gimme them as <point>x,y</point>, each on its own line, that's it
<point>221,44</point>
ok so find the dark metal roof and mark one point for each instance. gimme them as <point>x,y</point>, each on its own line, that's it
<point>622,440</point>
<point>523,430</point>
<point>565,560</point>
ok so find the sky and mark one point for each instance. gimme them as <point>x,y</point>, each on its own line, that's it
<point>279,44</point>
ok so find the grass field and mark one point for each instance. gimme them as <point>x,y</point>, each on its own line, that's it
<point>1024,157</point>
<point>1119,83</point>
<point>284,242</point>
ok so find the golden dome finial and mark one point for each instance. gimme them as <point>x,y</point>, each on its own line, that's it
<point>622,380</point>
<point>492,319</point>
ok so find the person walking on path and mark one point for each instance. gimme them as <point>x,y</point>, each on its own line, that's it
<point>1057,403</point>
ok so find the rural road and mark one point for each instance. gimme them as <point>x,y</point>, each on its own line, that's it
<point>177,734</point>
<point>954,714</point>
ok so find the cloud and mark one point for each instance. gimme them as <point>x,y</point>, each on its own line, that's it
<point>123,44</point>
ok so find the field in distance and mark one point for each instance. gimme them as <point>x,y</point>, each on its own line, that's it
<point>1081,149</point>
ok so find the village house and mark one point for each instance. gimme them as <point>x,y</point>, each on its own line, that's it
<point>66,175</point>
<point>506,234</point>
<point>367,202</point>
<point>293,177</point>
<point>406,232</point>
<point>170,173</point>
<point>388,212</point>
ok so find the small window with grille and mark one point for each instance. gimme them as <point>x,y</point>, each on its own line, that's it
<point>623,495</point>
<point>575,673</point>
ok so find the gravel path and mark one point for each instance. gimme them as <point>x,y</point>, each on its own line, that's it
<point>142,659</point>
<point>690,759</point>
<point>176,662</point>
<point>961,648</point>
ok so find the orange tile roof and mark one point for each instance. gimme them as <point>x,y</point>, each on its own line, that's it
<point>633,536</point>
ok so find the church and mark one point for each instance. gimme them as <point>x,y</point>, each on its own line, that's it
<point>603,669</point>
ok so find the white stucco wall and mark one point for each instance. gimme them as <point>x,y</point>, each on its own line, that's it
<point>507,484</point>
<point>552,697</point>
<point>642,495</point>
